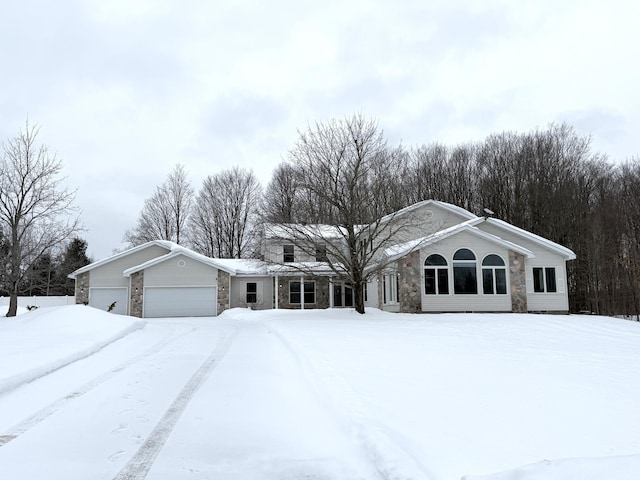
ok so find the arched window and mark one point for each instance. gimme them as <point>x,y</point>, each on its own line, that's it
<point>494,275</point>
<point>436,275</point>
<point>465,277</point>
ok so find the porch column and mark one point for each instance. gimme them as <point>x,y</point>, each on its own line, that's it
<point>330,292</point>
<point>302,293</point>
<point>277,290</point>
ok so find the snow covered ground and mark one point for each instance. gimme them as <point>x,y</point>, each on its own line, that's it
<point>318,395</point>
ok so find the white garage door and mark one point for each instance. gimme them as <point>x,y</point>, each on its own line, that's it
<point>102,298</point>
<point>180,301</point>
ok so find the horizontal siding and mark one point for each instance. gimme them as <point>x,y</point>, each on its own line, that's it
<point>462,303</point>
<point>110,274</point>
<point>180,270</point>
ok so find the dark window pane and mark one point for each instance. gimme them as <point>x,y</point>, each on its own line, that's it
<point>487,281</point>
<point>538,280</point>
<point>443,281</point>
<point>288,254</point>
<point>464,278</point>
<point>252,292</point>
<point>321,253</point>
<point>464,254</point>
<point>348,297</point>
<point>551,279</point>
<point>493,261</point>
<point>294,292</point>
<point>501,281</point>
<point>430,281</point>
<point>435,259</point>
<point>309,292</point>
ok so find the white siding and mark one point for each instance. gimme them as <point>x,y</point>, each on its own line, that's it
<point>180,270</point>
<point>110,274</point>
<point>264,290</point>
<point>465,302</point>
<point>544,257</point>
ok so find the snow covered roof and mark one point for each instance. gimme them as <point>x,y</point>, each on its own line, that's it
<point>161,243</point>
<point>556,247</point>
<point>175,251</point>
<point>313,268</point>
<point>297,230</point>
<point>444,205</point>
<point>397,251</point>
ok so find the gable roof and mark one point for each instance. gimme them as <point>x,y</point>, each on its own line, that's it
<point>398,251</point>
<point>176,251</point>
<point>160,243</point>
<point>567,253</point>
<point>444,205</point>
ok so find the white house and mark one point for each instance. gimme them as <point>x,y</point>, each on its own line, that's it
<point>445,259</point>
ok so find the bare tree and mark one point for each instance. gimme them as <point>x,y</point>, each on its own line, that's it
<point>164,215</point>
<point>36,212</point>
<point>280,200</point>
<point>343,169</point>
<point>225,214</point>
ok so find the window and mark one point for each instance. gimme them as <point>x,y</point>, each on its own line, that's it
<point>465,279</point>
<point>288,254</point>
<point>494,275</point>
<point>436,275</point>
<point>252,292</point>
<point>390,290</point>
<point>309,292</point>
<point>321,253</point>
<point>544,280</point>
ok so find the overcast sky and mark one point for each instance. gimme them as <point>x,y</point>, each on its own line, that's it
<point>125,89</point>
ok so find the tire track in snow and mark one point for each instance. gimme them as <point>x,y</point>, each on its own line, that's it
<point>139,465</point>
<point>43,414</point>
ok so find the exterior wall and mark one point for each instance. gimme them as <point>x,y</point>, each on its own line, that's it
<point>83,281</point>
<point>517,282</point>
<point>322,292</point>
<point>136,294</point>
<point>422,221</point>
<point>372,294</point>
<point>223,281</point>
<point>410,283</point>
<point>264,286</point>
<point>110,274</point>
<point>181,271</point>
<point>452,302</point>
<point>544,257</point>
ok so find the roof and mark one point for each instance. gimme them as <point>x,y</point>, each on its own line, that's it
<point>398,251</point>
<point>551,245</point>
<point>160,243</point>
<point>444,205</point>
<point>176,251</point>
<point>296,230</point>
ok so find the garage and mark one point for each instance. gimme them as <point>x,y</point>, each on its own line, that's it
<point>180,301</point>
<point>102,298</point>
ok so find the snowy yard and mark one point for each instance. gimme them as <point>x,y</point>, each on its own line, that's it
<point>318,395</point>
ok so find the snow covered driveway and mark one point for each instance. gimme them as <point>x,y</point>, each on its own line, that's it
<point>319,394</point>
<point>182,398</point>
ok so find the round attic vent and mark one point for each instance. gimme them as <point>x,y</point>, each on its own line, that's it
<point>181,263</point>
<point>428,214</point>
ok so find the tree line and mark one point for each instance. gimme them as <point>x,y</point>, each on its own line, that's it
<point>548,181</point>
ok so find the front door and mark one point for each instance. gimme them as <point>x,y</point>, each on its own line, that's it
<point>342,295</point>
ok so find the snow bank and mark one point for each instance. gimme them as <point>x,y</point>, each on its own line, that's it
<point>41,341</point>
<point>609,468</point>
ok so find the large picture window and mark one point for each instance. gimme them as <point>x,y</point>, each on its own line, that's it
<point>494,275</point>
<point>465,277</point>
<point>544,280</point>
<point>436,275</point>
<point>309,292</point>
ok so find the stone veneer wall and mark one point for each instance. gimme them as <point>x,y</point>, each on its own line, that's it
<point>517,283</point>
<point>223,291</point>
<point>82,288</point>
<point>410,283</point>
<point>322,293</point>
<point>136,294</point>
